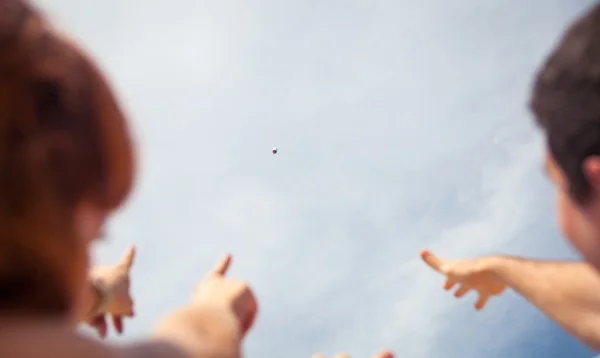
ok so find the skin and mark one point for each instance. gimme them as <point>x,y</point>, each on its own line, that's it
<point>116,280</point>
<point>567,292</point>
<point>213,325</point>
<point>222,311</point>
<point>382,354</point>
<point>220,315</point>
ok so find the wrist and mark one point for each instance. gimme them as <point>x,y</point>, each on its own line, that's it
<point>498,265</point>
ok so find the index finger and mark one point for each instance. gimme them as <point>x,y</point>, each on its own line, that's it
<point>128,257</point>
<point>220,269</point>
<point>431,260</point>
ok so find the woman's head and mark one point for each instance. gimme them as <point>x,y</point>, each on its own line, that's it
<point>66,162</point>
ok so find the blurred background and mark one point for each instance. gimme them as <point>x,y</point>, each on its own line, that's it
<point>400,125</point>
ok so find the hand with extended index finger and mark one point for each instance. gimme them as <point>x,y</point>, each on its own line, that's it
<point>477,275</point>
<point>217,291</point>
<point>116,281</point>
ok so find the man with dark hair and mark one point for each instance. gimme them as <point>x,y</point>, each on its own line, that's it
<point>566,105</point>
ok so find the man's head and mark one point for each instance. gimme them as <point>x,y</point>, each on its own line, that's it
<point>566,104</point>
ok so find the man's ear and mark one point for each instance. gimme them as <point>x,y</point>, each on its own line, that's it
<point>591,171</point>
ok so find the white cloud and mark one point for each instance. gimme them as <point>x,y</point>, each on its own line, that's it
<point>400,125</point>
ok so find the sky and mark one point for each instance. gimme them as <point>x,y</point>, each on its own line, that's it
<point>400,125</point>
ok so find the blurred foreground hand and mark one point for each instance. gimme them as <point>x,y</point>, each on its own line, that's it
<point>116,281</point>
<point>218,291</point>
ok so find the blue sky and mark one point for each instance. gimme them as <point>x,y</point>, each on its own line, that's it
<point>401,125</point>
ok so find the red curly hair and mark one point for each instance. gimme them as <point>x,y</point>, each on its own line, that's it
<point>63,139</point>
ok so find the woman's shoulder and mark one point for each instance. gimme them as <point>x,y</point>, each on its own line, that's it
<point>50,339</point>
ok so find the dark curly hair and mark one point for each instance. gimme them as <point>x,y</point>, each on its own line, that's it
<point>566,100</point>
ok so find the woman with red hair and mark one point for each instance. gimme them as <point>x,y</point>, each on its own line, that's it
<point>66,164</point>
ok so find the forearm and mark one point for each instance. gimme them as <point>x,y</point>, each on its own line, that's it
<point>201,333</point>
<point>568,293</point>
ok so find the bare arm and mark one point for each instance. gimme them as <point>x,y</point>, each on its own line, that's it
<point>568,293</point>
<point>192,332</point>
<point>218,330</point>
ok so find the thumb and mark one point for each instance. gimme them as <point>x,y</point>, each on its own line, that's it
<point>128,257</point>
